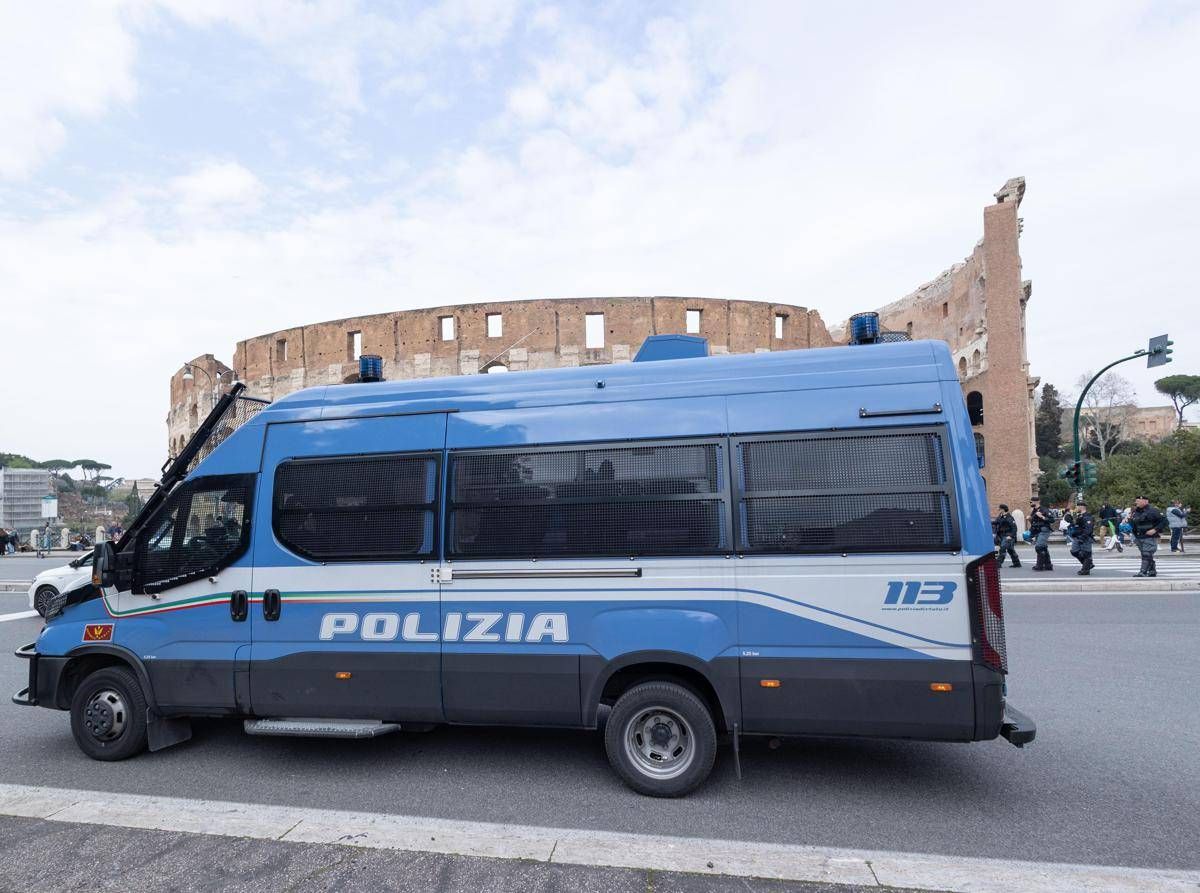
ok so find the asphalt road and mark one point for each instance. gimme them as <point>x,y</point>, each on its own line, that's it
<point>1112,779</point>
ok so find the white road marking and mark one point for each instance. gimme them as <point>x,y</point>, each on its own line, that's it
<point>734,858</point>
<point>20,615</point>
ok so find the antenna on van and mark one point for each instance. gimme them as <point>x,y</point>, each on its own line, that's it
<point>483,366</point>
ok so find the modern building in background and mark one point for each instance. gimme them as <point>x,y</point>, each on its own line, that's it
<point>21,493</point>
<point>977,306</point>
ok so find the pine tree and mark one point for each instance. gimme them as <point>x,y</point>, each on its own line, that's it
<point>1047,423</point>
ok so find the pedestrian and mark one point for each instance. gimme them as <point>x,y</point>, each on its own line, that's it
<point>1177,517</point>
<point>1040,526</point>
<point>1147,523</point>
<point>1080,534</point>
<point>1109,518</point>
<point>1005,528</point>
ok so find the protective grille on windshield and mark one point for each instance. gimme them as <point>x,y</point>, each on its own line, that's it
<point>240,411</point>
<point>877,492</point>
<point>645,500</point>
<point>373,507</point>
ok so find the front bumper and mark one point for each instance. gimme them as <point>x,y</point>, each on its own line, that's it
<point>1018,728</point>
<point>45,670</point>
<point>27,697</point>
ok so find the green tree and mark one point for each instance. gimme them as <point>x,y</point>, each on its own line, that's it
<point>91,465</point>
<point>1184,390</point>
<point>1051,487</point>
<point>1047,423</point>
<point>1161,471</point>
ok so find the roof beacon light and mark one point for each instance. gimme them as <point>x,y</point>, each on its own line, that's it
<point>370,367</point>
<point>864,328</point>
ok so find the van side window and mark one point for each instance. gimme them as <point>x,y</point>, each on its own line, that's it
<point>200,529</point>
<point>363,507</point>
<point>661,498</point>
<point>871,492</point>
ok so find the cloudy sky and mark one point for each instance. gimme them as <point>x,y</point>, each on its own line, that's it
<point>178,175</point>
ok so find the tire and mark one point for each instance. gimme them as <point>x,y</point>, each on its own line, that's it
<point>660,739</point>
<point>115,727</point>
<point>43,595</point>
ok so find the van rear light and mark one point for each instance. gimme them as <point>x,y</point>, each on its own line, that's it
<point>987,612</point>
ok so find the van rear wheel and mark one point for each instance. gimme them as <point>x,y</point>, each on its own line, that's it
<point>108,715</point>
<point>661,739</point>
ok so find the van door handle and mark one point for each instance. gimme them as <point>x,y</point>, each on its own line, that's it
<point>272,604</point>
<point>239,605</point>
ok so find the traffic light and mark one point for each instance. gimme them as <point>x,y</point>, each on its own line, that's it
<point>1159,353</point>
<point>1071,473</point>
<point>1089,474</point>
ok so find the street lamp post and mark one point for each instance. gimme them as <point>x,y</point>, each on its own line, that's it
<point>1158,354</point>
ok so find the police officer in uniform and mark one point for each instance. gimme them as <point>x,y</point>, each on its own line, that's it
<point>1039,530</point>
<point>1005,527</point>
<point>1081,533</point>
<point>1147,522</point>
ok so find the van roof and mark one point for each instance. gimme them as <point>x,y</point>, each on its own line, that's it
<point>812,368</point>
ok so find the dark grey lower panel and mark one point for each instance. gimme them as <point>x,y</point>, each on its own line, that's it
<point>203,686</point>
<point>382,685</point>
<point>511,689</point>
<point>874,698</point>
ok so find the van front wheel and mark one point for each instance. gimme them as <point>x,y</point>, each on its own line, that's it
<point>661,739</point>
<point>108,715</point>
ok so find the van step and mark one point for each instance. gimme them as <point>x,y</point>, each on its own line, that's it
<point>321,728</point>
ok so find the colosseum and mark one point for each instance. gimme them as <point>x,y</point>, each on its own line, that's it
<point>977,306</point>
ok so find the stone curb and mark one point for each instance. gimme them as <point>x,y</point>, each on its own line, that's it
<point>1054,587</point>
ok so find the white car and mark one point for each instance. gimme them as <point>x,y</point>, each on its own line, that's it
<point>50,583</point>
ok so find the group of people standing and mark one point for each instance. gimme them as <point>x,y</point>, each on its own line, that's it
<point>1146,524</point>
<point>9,541</point>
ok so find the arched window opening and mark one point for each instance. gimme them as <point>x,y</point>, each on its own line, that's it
<point>975,408</point>
<point>962,368</point>
<point>495,367</point>
<point>976,361</point>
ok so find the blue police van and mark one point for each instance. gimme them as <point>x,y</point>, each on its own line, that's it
<point>683,550</point>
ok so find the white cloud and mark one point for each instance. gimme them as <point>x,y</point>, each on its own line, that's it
<point>217,186</point>
<point>58,61</point>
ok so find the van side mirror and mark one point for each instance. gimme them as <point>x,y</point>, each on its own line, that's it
<point>102,565</point>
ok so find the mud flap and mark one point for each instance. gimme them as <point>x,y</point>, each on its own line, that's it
<point>163,731</point>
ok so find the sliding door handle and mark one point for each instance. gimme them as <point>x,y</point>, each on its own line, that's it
<point>239,605</point>
<point>272,604</point>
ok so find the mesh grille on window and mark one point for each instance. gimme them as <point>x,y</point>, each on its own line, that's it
<point>877,522</point>
<point>845,493</point>
<point>240,411</point>
<point>873,462</point>
<point>373,507</point>
<point>593,501</point>
<point>212,531</point>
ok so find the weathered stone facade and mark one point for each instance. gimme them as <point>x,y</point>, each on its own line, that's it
<point>977,307</point>
<point>532,335</point>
